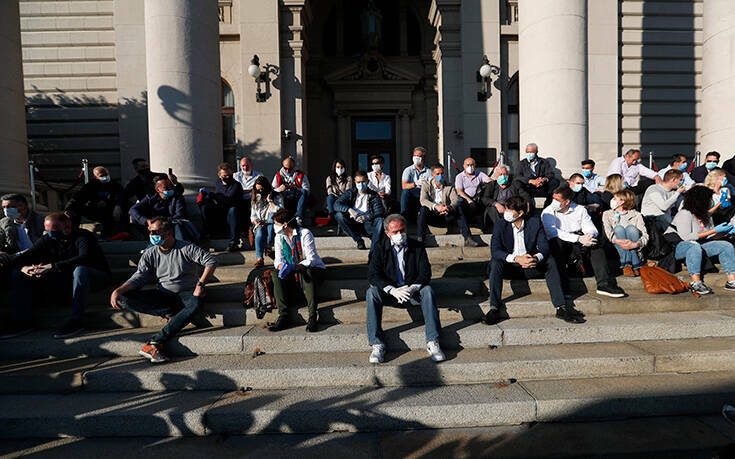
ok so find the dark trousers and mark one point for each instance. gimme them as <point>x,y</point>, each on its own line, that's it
<point>410,200</point>
<point>501,269</point>
<point>213,215</point>
<point>572,252</point>
<point>110,227</point>
<point>374,227</point>
<point>490,217</point>
<point>180,307</point>
<point>427,215</point>
<point>82,280</point>
<point>543,191</point>
<point>288,291</point>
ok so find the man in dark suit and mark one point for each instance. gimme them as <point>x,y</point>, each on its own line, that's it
<point>520,250</point>
<point>399,272</point>
<point>360,206</point>
<point>537,174</point>
<point>496,192</point>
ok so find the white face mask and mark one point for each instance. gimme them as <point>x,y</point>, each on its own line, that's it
<point>399,239</point>
<point>509,216</point>
<point>555,205</point>
<point>277,228</point>
<point>417,160</point>
<point>376,168</point>
<point>470,170</point>
<point>339,170</point>
<point>614,203</point>
<point>105,179</point>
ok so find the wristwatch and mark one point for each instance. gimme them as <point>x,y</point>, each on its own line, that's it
<point>201,284</point>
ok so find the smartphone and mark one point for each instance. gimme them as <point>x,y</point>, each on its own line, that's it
<point>170,171</point>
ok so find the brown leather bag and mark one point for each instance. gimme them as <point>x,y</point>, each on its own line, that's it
<point>658,280</point>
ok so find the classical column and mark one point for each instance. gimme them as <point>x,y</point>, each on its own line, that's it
<point>13,140</point>
<point>552,41</point>
<point>184,101</point>
<point>718,77</point>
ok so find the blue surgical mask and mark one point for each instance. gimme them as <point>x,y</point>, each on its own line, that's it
<point>710,165</point>
<point>361,187</point>
<point>586,172</point>
<point>439,178</point>
<point>502,179</point>
<point>577,188</point>
<point>683,167</point>
<point>724,182</point>
<point>168,194</point>
<point>155,239</point>
<point>530,156</point>
<point>625,185</point>
<point>12,213</point>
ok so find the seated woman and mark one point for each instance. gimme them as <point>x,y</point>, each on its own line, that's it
<point>613,184</point>
<point>338,181</point>
<point>625,228</point>
<point>265,203</point>
<point>693,224</point>
<point>721,208</point>
<point>299,267</point>
<point>378,180</point>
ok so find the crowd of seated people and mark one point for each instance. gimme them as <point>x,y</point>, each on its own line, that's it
<point>586,219</point>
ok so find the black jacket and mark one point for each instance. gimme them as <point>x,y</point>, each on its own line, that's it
<point>139,187</point>
<point>95,192</point>
<point>81,249</point>
<point>543,169</point>
<point>490,191</point>
<point>699,173</point>
<point>534,237</point>
<point>382,269</point>
<point>346,201</point>
<point>154,205</point>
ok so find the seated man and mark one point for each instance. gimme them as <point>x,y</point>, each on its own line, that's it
<point>411,179</point>
<point>537,174</point>
<point>496,192</point>
<point>64,257</point>
<point>225,204</point>
<point>19,229</point>
<point>662,199</point>
<point>630,168</point>
<point>360,206</point>
<point>173,265</point>
<point>572,238</point>
<point>143,184</point>
<point>246,177</point>
<point>678,162</point>
<point>520,250</point>
<point>593,182</point>
<point>440,203</point>
<point>582,196</point>
<point>101,200</point>
<point>293,184</point>
<point>165,202</point>
<point>399,272</point>
<point>467,183</point>
<point>300,269</point>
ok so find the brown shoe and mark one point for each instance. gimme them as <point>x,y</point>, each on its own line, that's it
<point>628,271</point>
<point>637,272</point>
<point>258,263</point>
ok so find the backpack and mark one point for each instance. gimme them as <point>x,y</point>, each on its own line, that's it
<point>259,294</point>
<point>657,280</point>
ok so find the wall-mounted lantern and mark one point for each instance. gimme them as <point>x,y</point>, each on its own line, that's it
<point>484,76</point>
<point>261,77</point>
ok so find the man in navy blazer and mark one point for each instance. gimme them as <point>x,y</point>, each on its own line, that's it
<point>360,206</point>
<point>520,250</point>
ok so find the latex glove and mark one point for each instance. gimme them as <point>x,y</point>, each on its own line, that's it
<point>724,204</point>
<point>732,231</point>
<point>723,227</point>
<point>401,294</point>
<point>412,289</point>
<point>361,218</point>
<point>285,270</point>
<point>587,240</point>
<point>353,214</point>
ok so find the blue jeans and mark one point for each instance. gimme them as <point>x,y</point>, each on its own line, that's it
<point>83,279</point>
<point>628,257</point>
<point>330,203</point>
<point>184,230</point>
<point>212,215</point>
<point>180,307</point>
<point>301,195</point>
<point>372,227</point>
<point>410,200</point>
<point>377,298</point>
<point>692,252</point>
<point>263,237</point>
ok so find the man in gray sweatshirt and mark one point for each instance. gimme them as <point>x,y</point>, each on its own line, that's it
<point>175,266</point>
<point>661,199</point>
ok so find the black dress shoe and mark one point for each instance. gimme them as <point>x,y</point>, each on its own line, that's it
<point>361,245</point>
<point>569,314</point>
<point>233,247</point>
<point>492,317</point>
<point>311,325</point>
<point>280,324</point>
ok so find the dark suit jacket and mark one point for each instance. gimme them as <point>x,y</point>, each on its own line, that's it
<point>490,191</point>
<point>382,270</point>
<point>534,236</point>
<point>346,201</point>
<point>543,169</point>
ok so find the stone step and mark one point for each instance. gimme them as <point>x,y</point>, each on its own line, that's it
<point>364,409</point>
<point>399,336</point>
<point>466,366</point>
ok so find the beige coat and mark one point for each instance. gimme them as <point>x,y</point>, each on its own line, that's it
<point>449,195</point>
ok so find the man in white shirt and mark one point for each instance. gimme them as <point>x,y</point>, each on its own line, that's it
<point>630,168</point>
<point>573,240</point>
<point>663,198</point>
<point>678,162</point>
<point>246,176</point>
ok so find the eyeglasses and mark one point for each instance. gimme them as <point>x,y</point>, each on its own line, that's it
<point>156,232</point>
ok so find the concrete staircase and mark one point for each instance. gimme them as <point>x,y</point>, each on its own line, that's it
<point>643,356</point>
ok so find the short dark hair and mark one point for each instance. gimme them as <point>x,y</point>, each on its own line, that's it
<point>60,217</point>
<point>378,157</point>
<point>517,203</point>
<point>361,174</point>
<point>158,178</point>
<point>166,224</point>
<point>437,166</point>
<point>137,161</point>
<point>223,166</point>
<point>713,153</point>
<point>565,192</point>
<point>576,175</point>
<point>588,162</point>
<point>676,158</point>
<point>283,216</point>
<point>672,173</point>
<point>421,149</point>
<point>15,197</point>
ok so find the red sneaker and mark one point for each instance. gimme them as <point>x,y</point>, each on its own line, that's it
<point>153,352</point>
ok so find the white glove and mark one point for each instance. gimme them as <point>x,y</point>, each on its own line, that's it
<point>587,240</point>
<point>353,214</point>
<point>401,294</point>
<point>361,218</point>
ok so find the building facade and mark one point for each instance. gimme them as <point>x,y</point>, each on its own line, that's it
<point>112,80</point>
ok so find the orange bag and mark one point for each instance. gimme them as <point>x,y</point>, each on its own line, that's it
<point>658,280</point>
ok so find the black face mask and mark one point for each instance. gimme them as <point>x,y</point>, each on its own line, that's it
<point>144,172</point>
<point>228,179</point>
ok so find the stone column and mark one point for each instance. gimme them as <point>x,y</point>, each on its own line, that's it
<point>184,107</point>
<point>13,141</point>
<point>552,41</point>
<point>718,77</point>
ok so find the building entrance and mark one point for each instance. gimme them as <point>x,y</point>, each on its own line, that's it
<point>374,136</point>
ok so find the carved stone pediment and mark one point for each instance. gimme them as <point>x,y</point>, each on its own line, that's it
<point>371,68</point>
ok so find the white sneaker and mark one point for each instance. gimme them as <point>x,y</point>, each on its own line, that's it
<point>378,352</point>
<point>435,351</point>
<point>299,221</point>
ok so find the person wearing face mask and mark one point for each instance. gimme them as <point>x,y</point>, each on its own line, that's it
<point>338,182</point>
<point>637,176</point>
<point>20,228</point>
<point>582,196</point>
<point>441,204</point>
<point>573,241</point>
<point>225,204</point>
<point>293,184</point>
<point>721,207</point>
<point>360,206</point>
<point>66,256</point>
<point>143,185</point>
<point>399,273</point>
<point>467,185</point>
<point>496,192</point>
<point>593,182</point>
<point>300,270</point>
<point>164,203</point>
<point>411,179</point>
<point>678,162</point>
<point>378,180</point>
<point>626,229</point>
<point>174,266</point>
<point>520,250</point>
<point>537,174</point>
<point>101,200</point>
<point>265,203</point>
<point>662,199</point>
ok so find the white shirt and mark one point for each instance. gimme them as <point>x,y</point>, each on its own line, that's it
<point>24,242</point>
<point>594,182</point>
<point>361,202</point>
<point>630,174</point>
<point>247,181</point>
<point>519,244</point>
<point>438,195</point>
<point>379,186</point>
<point>290,179</point>
<point>688,181</point>
<point>308,250</point>
<point>565,225</point>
